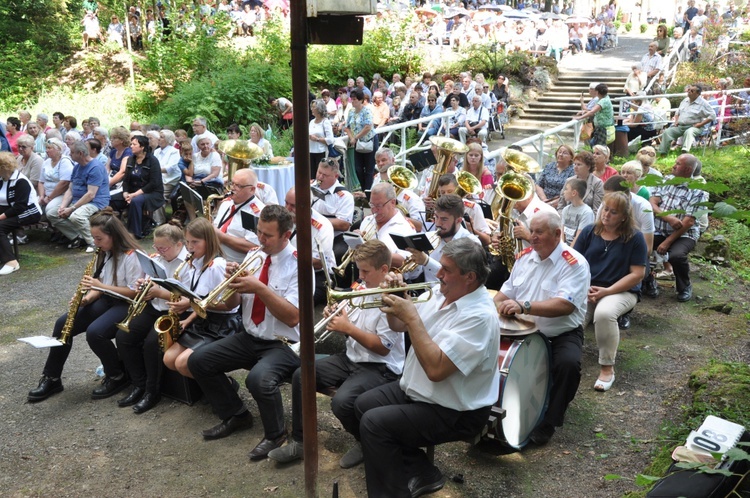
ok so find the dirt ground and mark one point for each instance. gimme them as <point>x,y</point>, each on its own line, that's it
<point>70,445</point>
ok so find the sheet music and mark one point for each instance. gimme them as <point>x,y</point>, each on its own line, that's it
<point>152,268</point>
<point>41,341</point>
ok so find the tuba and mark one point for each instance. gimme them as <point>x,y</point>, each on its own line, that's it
<point>468,185</point>
<point>239,154</point>
<point>514,186</point>
<point>402,178</point>
<point>75,303</point>
<point>446,149</point>
<point>167,326</point>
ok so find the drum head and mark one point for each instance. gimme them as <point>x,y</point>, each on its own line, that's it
<point>525,390</point>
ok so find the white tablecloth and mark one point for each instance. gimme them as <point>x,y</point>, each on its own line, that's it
<point>280,177</point>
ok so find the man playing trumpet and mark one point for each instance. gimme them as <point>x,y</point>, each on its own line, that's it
<point>450,379</point>
<point>374,355</point>
<point>270,316</point>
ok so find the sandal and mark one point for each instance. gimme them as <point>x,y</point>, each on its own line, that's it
<point>603,386</point>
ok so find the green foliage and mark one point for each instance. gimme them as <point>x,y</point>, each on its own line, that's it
<point>282,142</point>
<point>738,235</point>
<point>384,50</point>
<point>721,389</point>
<point>644,28</point>
<point>628,26</point>
<point>36,39</point>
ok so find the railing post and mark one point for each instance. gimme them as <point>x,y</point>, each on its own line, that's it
<point>403,145</point>
<point>540,156</point>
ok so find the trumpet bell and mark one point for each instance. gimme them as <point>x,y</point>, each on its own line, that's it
<point>511,188</point>
<point>402,177</point>
<point>241,150</point>
<point>520,162</point>
<point>450,145</point>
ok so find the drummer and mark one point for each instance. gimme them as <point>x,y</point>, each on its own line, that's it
<point>549,282</point>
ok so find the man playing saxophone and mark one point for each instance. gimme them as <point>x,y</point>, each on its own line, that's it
<point>449,217</point>
<point>115,268</point>
<point>270,316</point>
<point>235,240</point>
<point>139,348</point>
<point>374,355</point>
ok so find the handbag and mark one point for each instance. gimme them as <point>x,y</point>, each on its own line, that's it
<point>333,151</point>
<point>587,129</point>
<point>610,134</point>
<point>364,147</point>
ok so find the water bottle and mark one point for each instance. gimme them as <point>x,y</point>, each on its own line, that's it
<point>100,371</point>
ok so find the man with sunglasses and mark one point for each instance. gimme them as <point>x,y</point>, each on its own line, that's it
<point>235,239</point>
<point>432,107</point>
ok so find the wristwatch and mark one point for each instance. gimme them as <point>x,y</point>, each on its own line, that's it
<point>526,307</point>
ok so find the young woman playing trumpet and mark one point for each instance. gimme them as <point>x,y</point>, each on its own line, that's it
<point>208,268</point>
<point>137,341</point>
<point>114,268</point>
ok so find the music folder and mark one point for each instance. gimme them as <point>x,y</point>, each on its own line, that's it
<point>418,241</point>
<point>317,192</point>
<point>249,221</point>
<point>174,285</point>
<point>152,268</point>
<point>353,239</point>
<point>422,160</point>
<point>192,197</point>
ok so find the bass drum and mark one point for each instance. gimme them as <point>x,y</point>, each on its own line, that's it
<point>524,387</point>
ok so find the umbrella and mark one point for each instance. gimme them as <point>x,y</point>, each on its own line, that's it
<point>427,12</point>
<point>550,15</point>
<point>577,20</point>
<point>496,8</point>
<point>516,14</point>
<point>457,12</point>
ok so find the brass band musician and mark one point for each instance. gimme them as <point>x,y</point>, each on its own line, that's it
<point>374,355</point>
<point>270,316</point>
<point>115,268</point>
<point>138,347</point>
<point>235,240</point>
<point>334,202</point>
<point>477,225</point>
<point>387,219</point>
<point>406,197</point>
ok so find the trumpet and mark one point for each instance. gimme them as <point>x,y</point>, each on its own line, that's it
<point>320,331</point>
<point>222,292</point>
<point>366,235</point>
<point>349,296</point>
<point>137,306</point>
<point>167,326</point>
<point>409,265</point>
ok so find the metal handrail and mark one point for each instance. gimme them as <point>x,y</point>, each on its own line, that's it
<point>403,151</point>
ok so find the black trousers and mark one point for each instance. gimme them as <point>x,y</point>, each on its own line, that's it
<point>498,273</point>
<point>7,226</point>
<point>350,380</point>
<point>270,363</point>
<point>393,429</point>
<point>678,256</point>
<point>567,349</point>
<point>98,321</point>
<point>139,350</point>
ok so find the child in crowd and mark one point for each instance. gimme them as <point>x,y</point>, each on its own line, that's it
<point>576,214</point>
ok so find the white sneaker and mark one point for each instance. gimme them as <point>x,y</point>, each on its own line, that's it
<point>90,249</point>
<point>7,269</point>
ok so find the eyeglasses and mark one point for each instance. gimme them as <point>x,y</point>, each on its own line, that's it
<point>380,206</point>
<point>161,249</point>
<point>23,147</point>
<point>329,162</point>
<point>243,186</point>
<point>647,153</point>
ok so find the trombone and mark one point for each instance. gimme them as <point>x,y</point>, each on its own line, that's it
<point>222,292</point>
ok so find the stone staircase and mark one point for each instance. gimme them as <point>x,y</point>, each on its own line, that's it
<point>561,102</point>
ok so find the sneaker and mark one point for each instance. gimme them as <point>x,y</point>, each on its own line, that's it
<point>90,249</point>
<point>353,457</point>
<point>22,239</point>
<point>290,452</point>
<point>665,275</point>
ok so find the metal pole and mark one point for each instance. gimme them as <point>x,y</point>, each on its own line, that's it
<point>298,25</point>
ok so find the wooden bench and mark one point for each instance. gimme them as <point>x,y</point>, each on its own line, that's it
<point>42,225</point>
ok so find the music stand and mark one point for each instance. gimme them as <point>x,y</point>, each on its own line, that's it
<point>192,199</point>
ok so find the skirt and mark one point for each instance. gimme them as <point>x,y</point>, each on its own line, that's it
<point>210,329</point>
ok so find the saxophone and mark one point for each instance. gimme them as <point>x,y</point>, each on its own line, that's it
<point>168,326</point>
<point>75,303</point>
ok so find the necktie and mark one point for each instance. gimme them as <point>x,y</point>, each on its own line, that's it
<point>259,307</point>
<point>225,226</point>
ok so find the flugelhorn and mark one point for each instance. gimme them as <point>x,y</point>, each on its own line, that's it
<point>349,296</point>
<point>222,292</point>
<point>137,306</point>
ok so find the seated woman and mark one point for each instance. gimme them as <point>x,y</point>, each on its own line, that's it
<point>453,123</point>
<point>617,256</point>
<point>474,164</point>
<point>55,178</point>
<point>207,267</point>
<point>18,207</point>
<point>119,152</point>
<point>551,180</point>
<point>142,187</point>
<point>632,171</point>
<point>205,173</point>
<point>640,124</point>
<point>139,347</point>
<point>114,268</point>
<point>583,166</point>
<point>602,169</point>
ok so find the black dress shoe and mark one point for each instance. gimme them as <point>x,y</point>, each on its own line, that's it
<point>651,288</point>
<point>77,243</point>
<point>148,401</point>
<point>426,483</point>
<point>110,387</point>
<point>686,295</point>
<point>47,387</point>
<point>624,321</point>
<point>227,427</point>
<point>134,397</point>
<point>542,434</point>
<point>265,446</point>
